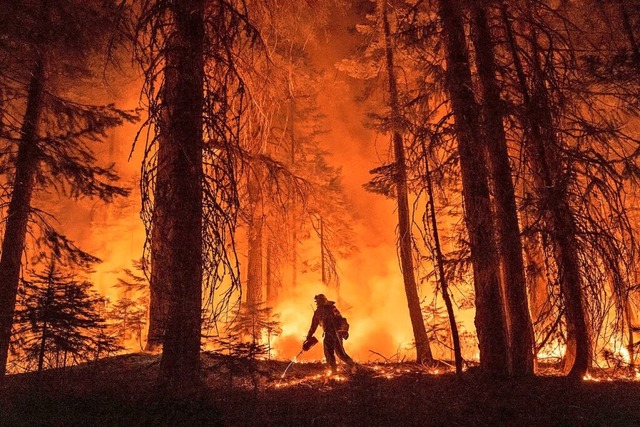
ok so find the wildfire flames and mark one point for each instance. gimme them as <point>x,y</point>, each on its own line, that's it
<point>387,371</point>
<point>332,184</point>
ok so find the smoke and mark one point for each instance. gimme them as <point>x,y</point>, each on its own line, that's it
<point>371,294</point>
<point>371,298</point>
<point>111,231</point>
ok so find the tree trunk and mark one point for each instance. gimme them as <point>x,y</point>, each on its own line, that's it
<point>563,235</point>
<point>423,348</point>
<point>630,339</point>
<point>537,275</point>
<point>254,234</point>
<point>294,205</point>
<point>510,245</point>
<point>551,187</point>
<point>440,266</point>
<point>538,294</point>
<point>13,243</point>
<point>180,362</point>
<point>160,253</point>
<point>272,291</point>
<point>489,321</point>
<point>323,267</point>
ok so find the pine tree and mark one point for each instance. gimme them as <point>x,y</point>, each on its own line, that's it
<point>196,104</point>
<point>552,192</point>
<point>288,188</point>
<point>490,316</point>
<point>182,134</point>
<point>520,331</point>
<point>423,348</point>
<point>55,132</point>
<point>128,315</point>
<point>58,321</point>
<point>432,223</point>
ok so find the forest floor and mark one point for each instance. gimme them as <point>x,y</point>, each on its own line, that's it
<point>121,390</point>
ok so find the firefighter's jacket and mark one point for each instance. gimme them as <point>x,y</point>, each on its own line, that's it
<point>327,316</point>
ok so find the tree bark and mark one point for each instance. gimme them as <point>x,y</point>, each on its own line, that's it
<point>13,243</point>
<point>180,362</point>
<point>553,204</point>
<point>294,205</point>
<point>254,236</point>
<point>423,348</point>
<point>160,262</point>
<point>323,267</point>
<point>272,291</point>
<point>510,245</point>
<point>489,320</point>
<point>536,273</point>
<point>538,294</point>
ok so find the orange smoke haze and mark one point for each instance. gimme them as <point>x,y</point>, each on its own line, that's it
<point>371,294</point>
<point>113,232</point>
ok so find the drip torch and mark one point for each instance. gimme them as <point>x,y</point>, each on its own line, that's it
<point>306,346</point>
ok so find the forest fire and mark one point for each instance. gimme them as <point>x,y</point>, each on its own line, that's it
<point>442,189</point>
<point>310,380</point>
<point>387,371</point>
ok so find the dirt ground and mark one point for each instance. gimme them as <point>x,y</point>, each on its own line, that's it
<point>122,391</point>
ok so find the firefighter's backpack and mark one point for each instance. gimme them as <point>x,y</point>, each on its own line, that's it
<point>342,326</point>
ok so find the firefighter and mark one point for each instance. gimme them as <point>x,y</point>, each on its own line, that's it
<point>335,330</point>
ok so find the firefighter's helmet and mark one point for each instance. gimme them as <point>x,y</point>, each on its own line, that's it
<point>320,299</point>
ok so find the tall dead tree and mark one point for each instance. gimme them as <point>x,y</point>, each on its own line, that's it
<point>439,261</point>
<point>490,317</point>
<point>423,348</point>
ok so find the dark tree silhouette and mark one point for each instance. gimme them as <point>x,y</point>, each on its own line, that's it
<point>189,52</point>
<point>51,141</point>
<point>506,214</point>
<point>490,316</point>
<point>181,136</point>
<point>128,314</point>
<point>439,261</point>
<point>58,321</point>
<point>551,188</point>
<point>423,348</point>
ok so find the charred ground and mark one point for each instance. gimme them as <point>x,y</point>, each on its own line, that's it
<point>122,391</point>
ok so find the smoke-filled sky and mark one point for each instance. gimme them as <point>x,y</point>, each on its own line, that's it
<point>371,293</point>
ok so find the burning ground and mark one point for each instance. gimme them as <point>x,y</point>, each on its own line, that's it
<point>121,391</point>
